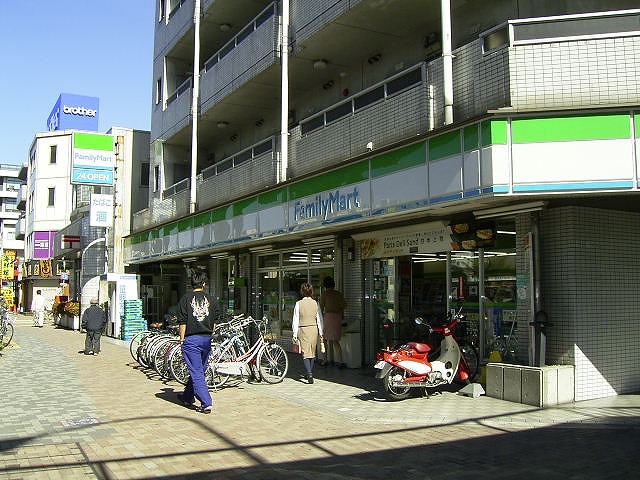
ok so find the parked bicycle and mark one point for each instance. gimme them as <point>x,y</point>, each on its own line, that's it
<point>264,359</point>
<point>233,354</point>
<point>6,328</point>
<point>174,360</point>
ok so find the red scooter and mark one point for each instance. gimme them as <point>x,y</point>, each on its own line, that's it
<point>409,365</point>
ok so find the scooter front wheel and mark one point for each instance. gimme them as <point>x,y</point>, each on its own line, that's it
<point>395,392</point>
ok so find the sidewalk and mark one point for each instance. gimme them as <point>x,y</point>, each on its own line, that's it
<point>67,415</point>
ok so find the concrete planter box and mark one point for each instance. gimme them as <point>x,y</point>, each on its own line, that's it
<point>538,386</point>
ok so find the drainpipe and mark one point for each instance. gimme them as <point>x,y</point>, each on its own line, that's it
<point>447,61</point>
<point>194,106</point>
<point>284,115</point>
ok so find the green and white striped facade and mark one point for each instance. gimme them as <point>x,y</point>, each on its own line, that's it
<point>503,156</point>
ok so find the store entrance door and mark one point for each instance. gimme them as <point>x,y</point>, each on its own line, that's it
<point>280,276</point>
<point>483,283</point>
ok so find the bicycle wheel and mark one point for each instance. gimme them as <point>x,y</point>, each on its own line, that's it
<point>178,367</point>
<point>148,347</point>
<point>143,351</point>
<point>6,334</point>
<point>214,378</point>
<point>134,344</point>
<point>273,363</point>
<point>160,345</point>
<point>162,356</point>
<point>471,358</point>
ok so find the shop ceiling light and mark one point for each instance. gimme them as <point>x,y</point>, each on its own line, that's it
<point>261,249</point>
<point>324,241</point>
<point>319,64</point>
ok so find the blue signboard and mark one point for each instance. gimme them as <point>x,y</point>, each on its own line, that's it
<point>88,176</point>
<point>74,112</point>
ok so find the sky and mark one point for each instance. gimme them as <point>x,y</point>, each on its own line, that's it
<point>82,47</point>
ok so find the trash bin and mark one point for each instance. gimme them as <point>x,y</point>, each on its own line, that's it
<point>351,349</point>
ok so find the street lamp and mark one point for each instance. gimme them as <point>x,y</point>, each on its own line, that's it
<point>84,250</point>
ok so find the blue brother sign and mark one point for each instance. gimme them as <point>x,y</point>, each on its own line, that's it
<point>74,112</point>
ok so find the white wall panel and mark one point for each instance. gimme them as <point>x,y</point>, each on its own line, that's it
<point>399,188</point>
<point>572,161</point>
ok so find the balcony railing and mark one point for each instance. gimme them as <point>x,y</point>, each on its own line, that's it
<point>176,7</point>
<point>401,107</point>
<point>182,88</point>
<point>243,58</point>
<point>507,69</point>
<point>248,171</point>
<point>372,95</point>
<point>265,15</point>
<point>180,186</point>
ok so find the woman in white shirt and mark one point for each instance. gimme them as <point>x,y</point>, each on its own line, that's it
<point>307,328</point>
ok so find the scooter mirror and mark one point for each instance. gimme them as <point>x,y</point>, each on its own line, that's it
<point>419,320</point>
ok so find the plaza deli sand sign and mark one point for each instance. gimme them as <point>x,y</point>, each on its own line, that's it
<point>430,237</point>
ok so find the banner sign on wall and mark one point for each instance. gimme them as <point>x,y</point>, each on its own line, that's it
<point>433,237</point>
<point>8,264</point>
<point>101,210</point>
<point>430,237</point>
<point>43,244</point>
<point>473,235</point>
<point>92,159</point>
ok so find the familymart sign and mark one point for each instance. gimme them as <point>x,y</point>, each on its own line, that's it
<point>92,159</point>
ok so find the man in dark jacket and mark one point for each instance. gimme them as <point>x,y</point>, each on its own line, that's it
<point>197,315</point>
<point>93,321</point>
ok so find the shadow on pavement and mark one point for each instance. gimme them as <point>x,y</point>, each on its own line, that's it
<point>573,451</point>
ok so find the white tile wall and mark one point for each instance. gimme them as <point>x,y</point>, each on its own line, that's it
<point>590,269</point>
<point>576,73</point>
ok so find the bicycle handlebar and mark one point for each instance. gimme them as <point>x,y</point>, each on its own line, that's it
<point>237,322</point>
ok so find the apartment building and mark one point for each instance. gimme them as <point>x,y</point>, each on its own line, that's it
<point>423,153</point>
<point>11,246</point>
<point>81,187</point>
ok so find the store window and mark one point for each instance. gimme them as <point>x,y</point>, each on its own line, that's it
<point>280,276</point>
<point>428,285</point>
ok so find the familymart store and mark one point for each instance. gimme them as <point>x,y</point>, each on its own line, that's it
<point>424,271</point>
<point>580,171</point>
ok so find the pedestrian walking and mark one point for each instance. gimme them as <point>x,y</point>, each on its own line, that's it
<point>197,315</point>
<point>93,321</point>
<point>332,305</point>
<point>307,328</point>
<point>38,309</point>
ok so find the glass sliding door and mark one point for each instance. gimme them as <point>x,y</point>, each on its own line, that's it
<point>280,276</point>
<point>427,285</point>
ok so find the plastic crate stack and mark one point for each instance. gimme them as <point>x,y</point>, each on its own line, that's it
<point>133,321</point>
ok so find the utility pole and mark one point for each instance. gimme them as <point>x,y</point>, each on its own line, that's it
<point>194,107</point>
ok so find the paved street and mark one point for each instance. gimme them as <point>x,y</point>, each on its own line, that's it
<point>70,416</point>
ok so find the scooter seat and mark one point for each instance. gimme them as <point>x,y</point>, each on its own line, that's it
<point>420,347</point>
